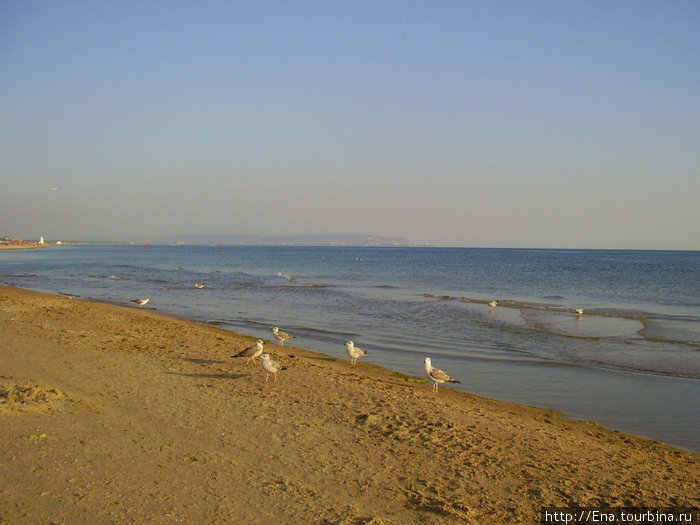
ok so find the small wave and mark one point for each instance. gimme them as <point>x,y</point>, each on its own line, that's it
<point>311,286</point>
<point>19,275</point>
<point>251,323</point>
<point>677,331</point>
<point>471,300</point>
<point>438,297</point>
<point>287,276</point>
<point>691,344</point>
<point>133,267</point>
<point>324,335</point>
<point>635,315</point>
<point>588,327</point>
<point>653,368</point>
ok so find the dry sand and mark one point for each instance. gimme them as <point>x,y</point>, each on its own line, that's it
<point>113,414</point>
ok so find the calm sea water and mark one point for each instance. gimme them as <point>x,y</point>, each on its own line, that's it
<point>631,362</point>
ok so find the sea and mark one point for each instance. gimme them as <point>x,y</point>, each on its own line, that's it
<point>631,362</point>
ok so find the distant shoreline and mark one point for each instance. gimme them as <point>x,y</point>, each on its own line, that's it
<point>306,244</point>
<point>28,246</point>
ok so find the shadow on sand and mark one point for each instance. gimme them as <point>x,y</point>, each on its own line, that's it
<point>202,361</point>
<point>210,376</point>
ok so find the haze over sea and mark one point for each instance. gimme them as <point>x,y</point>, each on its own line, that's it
<point>631,362</point>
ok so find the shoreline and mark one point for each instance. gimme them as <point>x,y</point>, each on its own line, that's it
<point>116,413</point>
<point>32,246</point>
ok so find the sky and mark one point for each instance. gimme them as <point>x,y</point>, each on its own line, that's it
<point>538,124</point>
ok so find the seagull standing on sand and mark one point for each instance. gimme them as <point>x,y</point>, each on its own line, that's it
<point>270,366</point>
<point>354,352</point>
<point>141,302</point>
<point>493,304</point>
<point>281,336</point>
<point>436,375</point>
<point>252,351</point>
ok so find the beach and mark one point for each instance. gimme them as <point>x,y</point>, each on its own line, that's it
<point>23,246</point>
<point>115,414</point>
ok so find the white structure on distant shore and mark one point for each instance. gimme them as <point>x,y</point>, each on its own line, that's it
<point>41,240</point>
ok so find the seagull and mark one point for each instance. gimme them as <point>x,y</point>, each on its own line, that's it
<point>436,375</point>
<point>252,351</point>
<point>141,302</point>
<point>281,336</point>
<point>579,311</point>
<point>354,352</point>
<point>270,366</point>
<point>493,304</point>
<point>199,286</point>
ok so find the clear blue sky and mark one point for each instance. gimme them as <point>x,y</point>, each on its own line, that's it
<point>572,124</point>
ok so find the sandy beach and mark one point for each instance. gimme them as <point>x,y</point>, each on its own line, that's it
<point>24,246</point>
<point>112,414</point>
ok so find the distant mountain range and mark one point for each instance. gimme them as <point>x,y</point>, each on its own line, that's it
<point>333,239</point>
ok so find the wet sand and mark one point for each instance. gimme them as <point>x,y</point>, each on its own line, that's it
<point>112,414</point>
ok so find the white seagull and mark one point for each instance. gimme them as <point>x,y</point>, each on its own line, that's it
<point>493,304</point>
<point>270,366</point>
<point>141,302</point>
<point>281,336</point>
<point>579,311</point>
<point>199,286</point>
<point>252,351</point>
<point>354,352</point>
<point>436,375</point>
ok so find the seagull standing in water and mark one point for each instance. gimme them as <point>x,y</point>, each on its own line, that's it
<point>281,336</point>
<point>579,311</point>
<point>252,351</point>
<point>436,375</point>
<point>141,302</point>
<point>354,352</point>
<point>270,366</point>
<point>493,304</point>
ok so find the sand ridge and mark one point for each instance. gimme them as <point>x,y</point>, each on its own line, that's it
<point>152,421</point>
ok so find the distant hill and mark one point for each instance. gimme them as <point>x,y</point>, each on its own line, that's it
<point>285,240</point>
